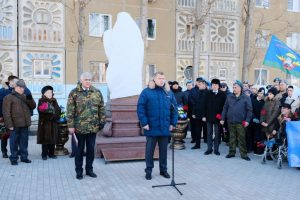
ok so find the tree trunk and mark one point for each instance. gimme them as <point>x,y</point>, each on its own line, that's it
<point>143,28</point>
<point>197,41</point>
<point>80,38</point>
<point>247,39</point>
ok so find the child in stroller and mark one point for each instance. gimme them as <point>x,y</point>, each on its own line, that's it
<point>276,144</point>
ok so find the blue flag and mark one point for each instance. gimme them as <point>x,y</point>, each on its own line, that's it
<point>280,56</point>
<point>293,138</point>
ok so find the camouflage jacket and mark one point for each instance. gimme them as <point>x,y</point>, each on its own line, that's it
<point>85,110</point>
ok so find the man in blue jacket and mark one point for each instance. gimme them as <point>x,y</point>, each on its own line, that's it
<point>157,113</point>
<point>238,112</point>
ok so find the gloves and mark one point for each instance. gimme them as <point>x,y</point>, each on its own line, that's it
<point>29,97</point>
<point>255,120</point>
<point>101,126</point>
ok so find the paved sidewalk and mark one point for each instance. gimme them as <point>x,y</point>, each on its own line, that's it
<point>208,178</point>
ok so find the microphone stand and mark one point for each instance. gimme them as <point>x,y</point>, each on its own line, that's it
<point>173,184</point>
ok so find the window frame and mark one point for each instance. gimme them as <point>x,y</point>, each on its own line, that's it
<point>265,34</point>
<point>102,72</point>
<point>293,9</point>
<point>101,24</point>
<point>264,4</point>
<point>42,75</point>
<point>260,75</point>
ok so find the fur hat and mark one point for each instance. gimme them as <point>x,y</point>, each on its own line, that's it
<point>273,91</point>
<point>216,81</point>
<point>286,105</point>
<point>46,88</point>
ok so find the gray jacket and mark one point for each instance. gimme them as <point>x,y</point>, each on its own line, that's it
<point>237,109</point>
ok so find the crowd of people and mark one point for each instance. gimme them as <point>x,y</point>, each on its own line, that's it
<point>85,113</point>
<point>246,117</point>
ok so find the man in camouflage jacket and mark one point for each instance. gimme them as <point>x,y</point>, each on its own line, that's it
<point>86,116</point>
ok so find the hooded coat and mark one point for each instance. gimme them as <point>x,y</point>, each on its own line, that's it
<point>157,108</point>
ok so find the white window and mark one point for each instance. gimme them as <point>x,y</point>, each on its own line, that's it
<point>262,3</point>
<point>98,70</point>
<point>98,23</point>
<point>222,74</point>
<point>293,5</point>
<point>292,40</point>
<point>261,38</point>
<point>150,71</point>
<point>261,76</point>
<point>42,68</point>
<point>187,3</point>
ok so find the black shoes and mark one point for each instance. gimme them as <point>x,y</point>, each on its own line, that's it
<point>193,141</point>
<point>26,161</point>
<point>79,176</point>
<point>195,147</point>
<point>91,174</point>
<point>72,155</point>
<point>165,174</point>
<point>53,157</point>
<point>246,158</point>
<point>148,176</point>
<point>208,152</point>
<point>44,157</point>
<point>217,153</point>
<point>14,162</point>
<point>4,155</point>
<point>229,156</point>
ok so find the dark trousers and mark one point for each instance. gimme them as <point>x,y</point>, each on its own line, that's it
<point>48,150</point>
<point>19,138</point>
<point>4,145</point>
<point>193,128</point>
<point>150,147</point>
<point>200,128</point>
<point>89,141</point>
<point>213,128</point>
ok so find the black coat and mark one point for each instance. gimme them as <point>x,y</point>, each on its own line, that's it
<point>257,106</point>
<point>186,97</point>
<point>198,98</point>
<point>179,96</point>
<point>214,105</point>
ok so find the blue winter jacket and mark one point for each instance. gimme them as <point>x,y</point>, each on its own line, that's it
<point>158,109</point>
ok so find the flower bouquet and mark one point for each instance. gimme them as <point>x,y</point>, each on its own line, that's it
<point>46,107</point>
<point>62,118</point>
<point>182,115</point>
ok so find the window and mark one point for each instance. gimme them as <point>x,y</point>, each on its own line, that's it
<point>98,23</point>
<point>293,5</point>
<point>222,74</point>
<point>261,76</point>
<point>151,28</point>
<point>262,3</point>
<point>151,69</point>
<point>261,38</point>
<point>42,68</point>
<point>98,70</point>
<point>292,40</point>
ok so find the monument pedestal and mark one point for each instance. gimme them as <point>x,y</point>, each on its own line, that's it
<point>121,137</point>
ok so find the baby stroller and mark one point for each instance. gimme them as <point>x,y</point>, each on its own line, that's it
<point>276,150</point>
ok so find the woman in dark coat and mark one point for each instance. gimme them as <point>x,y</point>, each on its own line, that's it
<point>269,113</point>
<point>49,113</point>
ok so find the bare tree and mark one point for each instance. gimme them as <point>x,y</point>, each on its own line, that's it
<point>248,8</point>
<point>201,12</point>
<point>80,21</point>
<point>143,27</point>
